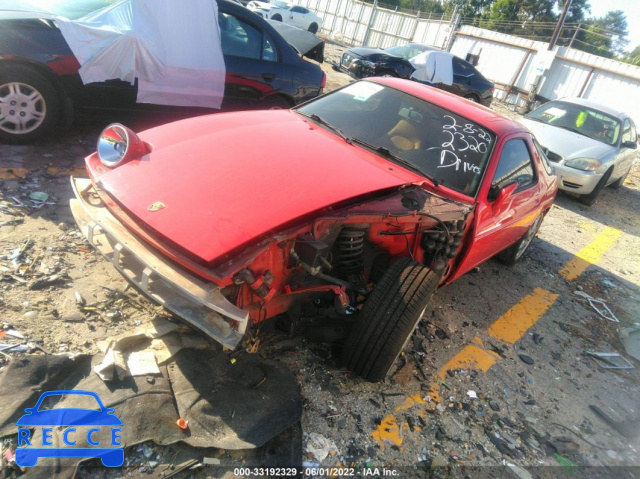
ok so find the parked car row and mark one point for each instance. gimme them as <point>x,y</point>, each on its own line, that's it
<point>467,81</point>
<point>40,85</point>
<point>591,146</point>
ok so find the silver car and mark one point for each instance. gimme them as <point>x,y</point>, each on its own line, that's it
<point>590,145</point>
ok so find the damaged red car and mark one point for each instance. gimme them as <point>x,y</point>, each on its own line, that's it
<point>365,200</point>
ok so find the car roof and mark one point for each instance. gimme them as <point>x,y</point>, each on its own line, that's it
<point>480,114</point>
<point>595,105</point>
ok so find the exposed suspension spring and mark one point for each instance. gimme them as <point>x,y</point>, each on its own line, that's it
<point>350,244</point>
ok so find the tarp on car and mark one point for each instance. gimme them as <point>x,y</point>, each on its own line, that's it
<point>433,67</point>
<point>173,50</point>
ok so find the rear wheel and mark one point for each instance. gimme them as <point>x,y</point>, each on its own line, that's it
<point>512,254</point>
<point>313,28</point>
<point>388,74</point>
<point>29,105</point>
<point>472,97</point>
<point>616,185</point>
<point>389,316</point>
<point>591,198</point>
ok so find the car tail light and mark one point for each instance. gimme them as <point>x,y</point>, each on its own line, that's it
<point>324,80</point>
<point>118,144</point>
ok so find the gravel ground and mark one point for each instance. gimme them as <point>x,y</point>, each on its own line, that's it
<point>522,413</point>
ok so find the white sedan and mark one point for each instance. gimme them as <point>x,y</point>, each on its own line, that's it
<point>286,12</point>
<point>590,145</point>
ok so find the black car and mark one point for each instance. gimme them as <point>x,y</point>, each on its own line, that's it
<point>40,86</point>
<point>362,62</point>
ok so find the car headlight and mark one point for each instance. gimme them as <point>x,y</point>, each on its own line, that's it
<point>366,63</point>
<point>584,164</point>
<point>118,144</point>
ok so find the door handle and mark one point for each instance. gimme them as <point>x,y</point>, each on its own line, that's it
<point>268,76</point>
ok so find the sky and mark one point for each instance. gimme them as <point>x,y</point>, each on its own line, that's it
<point>631,8</point>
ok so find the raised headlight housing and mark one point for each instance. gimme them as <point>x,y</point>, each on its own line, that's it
<point>118,144</point>
<point>584,164</point>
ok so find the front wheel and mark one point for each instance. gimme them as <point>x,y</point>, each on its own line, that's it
<point>389,316</point>
<point>313,28</point>
<point>591,198</point>
<point>472,97</point>
<point>277,17</point>
<point>29,105</point>
<point>511,255</point>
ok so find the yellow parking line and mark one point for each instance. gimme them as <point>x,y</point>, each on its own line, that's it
<point>590,254</point>
<point>75,171</point>
<point>515,322</point>
<point>510,327</point>
<point>13,173</point>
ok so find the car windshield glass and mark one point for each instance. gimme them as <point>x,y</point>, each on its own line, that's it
<point>72,9</point>
<point>281,4</point>
<point>440,144</point>
<point>407,51</point>
<point>80,401</point>
<point>580,119</point>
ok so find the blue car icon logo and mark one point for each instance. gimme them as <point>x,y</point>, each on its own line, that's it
<point>70,419</point>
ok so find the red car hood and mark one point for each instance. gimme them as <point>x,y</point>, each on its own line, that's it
<point>228,180</point>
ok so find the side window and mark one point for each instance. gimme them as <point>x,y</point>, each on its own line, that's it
<point>462,68</point>
<point>514,166</point>
<point>297,9</point>
<point>239,39</point>
<point>629,131</point>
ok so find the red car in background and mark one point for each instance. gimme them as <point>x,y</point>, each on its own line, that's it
<point>358,204</point>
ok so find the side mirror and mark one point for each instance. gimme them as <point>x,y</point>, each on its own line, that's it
<point>629,144</point>
<point>502,197</point>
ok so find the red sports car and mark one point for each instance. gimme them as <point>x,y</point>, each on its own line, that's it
<point>364,201</point>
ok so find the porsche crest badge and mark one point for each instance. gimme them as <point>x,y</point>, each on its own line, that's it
<point>157,206</point>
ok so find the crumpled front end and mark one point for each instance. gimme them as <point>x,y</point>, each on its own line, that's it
<point>199,303</point>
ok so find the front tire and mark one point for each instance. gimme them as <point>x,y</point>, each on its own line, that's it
<point>313,28</point>
<point>591,198</point>
<point>389,316</point>
<point>277,17</point>
<point>472,97</point>
<point>29,105</point>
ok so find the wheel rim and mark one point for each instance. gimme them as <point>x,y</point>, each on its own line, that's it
<point>528,237</point>
<point>22,108</point>
<point>471,98</point>
<point>387,75</point>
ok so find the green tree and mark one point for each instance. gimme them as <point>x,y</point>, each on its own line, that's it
<point>633,57</point>
<point>605,36</point>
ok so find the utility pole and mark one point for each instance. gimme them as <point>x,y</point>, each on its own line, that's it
<point>556,32</point>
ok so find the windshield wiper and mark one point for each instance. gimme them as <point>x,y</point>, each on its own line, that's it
<point>322,121</point>
<point>385,152</point>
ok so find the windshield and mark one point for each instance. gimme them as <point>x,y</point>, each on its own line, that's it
<point>279,4</point>
<point>440,144</point>
<point>408,51</point>
<point>72,9</point>
<point>580,119</point>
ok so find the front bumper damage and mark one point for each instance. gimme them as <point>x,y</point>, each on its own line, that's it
<point>199,303</point>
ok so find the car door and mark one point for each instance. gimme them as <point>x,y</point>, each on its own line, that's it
<point>252,61</point>
<point>298,17</point>
<point>498,226</point>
